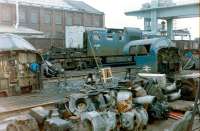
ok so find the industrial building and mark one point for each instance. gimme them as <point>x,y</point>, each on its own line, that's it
<point>49,17</point>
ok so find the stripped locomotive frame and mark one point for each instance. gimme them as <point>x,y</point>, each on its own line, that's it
<point>119,47</point>
<point>106,45</point>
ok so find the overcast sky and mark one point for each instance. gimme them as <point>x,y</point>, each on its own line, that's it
<point>115,18</point>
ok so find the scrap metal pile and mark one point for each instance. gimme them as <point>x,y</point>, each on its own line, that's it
<point>130,105</point>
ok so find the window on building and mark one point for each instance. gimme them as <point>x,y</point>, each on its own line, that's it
<point>96,20</point>
<point>78,19</point>
<point>87,20</point>
<point>68,19</point>
<point>22,16</point>
<point>58,19</point>
<point>34,18</point>
<point>47,19</point>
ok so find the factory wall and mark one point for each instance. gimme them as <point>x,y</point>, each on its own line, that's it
<point>50,21</point>
<point>43,44</point>
<point>187,44</point>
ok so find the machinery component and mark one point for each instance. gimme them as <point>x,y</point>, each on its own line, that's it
<point>139,91</point>
<point>160,79</point>
<point>79,103</point>
<point>39,113</point>
<point>57,124</point>
<point>91,80</point>
<point>102,99</point>
<point>158,110</point>
<point>48,69</point>
<point>153,89</point>
<point>125,84</point>
<point>144,116</point>
<point>175,115</point>
<point>22,123</point>
<point>127,120</point>
<point>174,96</point>
<point>170,88</point>
<point>188,88</point>
<point>98,99</point>
<point>141,118</point>
<point>145,100</point>
<point>124,101</point>
<point>103,121</point>
<point>160,54</point>
<point>191,60</point>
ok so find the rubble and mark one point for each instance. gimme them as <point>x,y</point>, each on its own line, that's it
<point>130,105</point>
<point>40,114</point>
<point>99,121</point>
<point>21,123</point>
<point>56,124</point>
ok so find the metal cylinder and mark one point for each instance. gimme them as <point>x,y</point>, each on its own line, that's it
<point>145,100</point>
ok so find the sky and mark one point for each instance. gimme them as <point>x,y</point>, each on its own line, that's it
<point>115,17</point>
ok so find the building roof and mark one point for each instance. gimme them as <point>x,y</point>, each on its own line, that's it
<point>70,5</point>
<point>9,42</point>
<point>20,30</point>
<point>83,6</point>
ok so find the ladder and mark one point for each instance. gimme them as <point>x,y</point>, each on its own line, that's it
<point>97,62</point>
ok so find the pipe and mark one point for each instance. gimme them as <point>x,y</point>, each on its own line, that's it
<point>171,87</point>
<point>145,100</point>
<point>17,14</point>
<point>174,96</point>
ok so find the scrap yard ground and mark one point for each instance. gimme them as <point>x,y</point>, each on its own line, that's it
<point>53,92</point>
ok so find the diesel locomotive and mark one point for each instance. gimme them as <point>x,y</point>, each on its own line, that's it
<point>115,47</point>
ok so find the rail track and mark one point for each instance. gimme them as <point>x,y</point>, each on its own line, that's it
<point>23,110</point>
<point>82,73</point>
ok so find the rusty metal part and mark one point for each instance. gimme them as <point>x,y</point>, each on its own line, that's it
<point>141,118</point>
<point>95,121</point>
<point>153,89</point>
<point>188,89</point>
<point>57,124</point>
<point>125,84</point>
<point>124,101</point>
<point>39,113</point>
<point>175,115</point>
<point>134,120</point>
<point>79,103</point>
<point>158,110</point>
<point>127,120</point>
<point>139,91</point>
<point>21,123</point>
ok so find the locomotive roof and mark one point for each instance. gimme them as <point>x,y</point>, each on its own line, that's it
<point>155,44</point>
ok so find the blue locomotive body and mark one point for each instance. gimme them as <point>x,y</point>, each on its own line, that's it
<point>117,47</point>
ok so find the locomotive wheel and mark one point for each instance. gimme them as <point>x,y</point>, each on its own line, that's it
<point>82,65</point>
